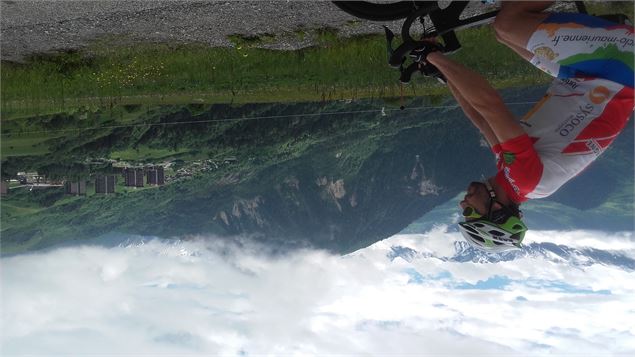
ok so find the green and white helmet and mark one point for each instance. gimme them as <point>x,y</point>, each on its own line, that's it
<point>492,237</point>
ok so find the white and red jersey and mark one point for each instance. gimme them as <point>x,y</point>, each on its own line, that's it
<point>569,128</point>
<point>583,110</point>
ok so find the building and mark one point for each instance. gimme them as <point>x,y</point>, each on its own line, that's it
<point>134,177</point>
<point>155,176</point>
<point>76,188</point>
<point>105,184</point>
<point>4,188</point>
<point>30,178</point>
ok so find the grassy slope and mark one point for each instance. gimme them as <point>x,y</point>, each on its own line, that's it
<point>176,74</point>
<point>272,149</point>
<point>337,68</point>
<point>107,73</point>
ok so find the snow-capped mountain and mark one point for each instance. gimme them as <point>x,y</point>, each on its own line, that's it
<point>545,251</point>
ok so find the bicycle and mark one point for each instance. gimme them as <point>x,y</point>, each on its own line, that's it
<point>443,23</point>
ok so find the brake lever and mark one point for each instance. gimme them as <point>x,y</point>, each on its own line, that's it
<point>389,37</point>
<point>406,74</point>
<point>403,51</point>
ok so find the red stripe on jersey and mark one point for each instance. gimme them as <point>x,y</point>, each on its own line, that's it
<point>576,148</point>
<point>604,143</point>
<point>606,125</point>
<point>629,29</point>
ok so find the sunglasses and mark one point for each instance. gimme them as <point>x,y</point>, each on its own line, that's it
<point>470,213</point>
<point>499,216</point>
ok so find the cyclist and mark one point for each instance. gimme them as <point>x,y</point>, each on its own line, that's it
<point>585,108</point>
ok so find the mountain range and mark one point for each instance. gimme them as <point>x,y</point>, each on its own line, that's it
<point>337,176</point>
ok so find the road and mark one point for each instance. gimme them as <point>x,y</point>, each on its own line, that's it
<point>30,27</point>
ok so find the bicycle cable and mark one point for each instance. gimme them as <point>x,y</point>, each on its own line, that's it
<point>380,111</point>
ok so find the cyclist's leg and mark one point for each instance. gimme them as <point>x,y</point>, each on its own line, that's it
<point>517,21</point>
<point>475,117</point>
<point>521,51</point>
<point>480,95</point>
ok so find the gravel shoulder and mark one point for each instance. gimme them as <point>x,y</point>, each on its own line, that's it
<point>30,27</point>
<point>33,27</point>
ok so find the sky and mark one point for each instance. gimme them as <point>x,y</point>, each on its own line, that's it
<point>202,296</point>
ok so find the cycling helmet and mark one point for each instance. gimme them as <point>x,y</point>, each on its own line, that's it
<point>491,237</point>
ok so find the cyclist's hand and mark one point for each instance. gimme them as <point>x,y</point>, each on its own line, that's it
<point>429,45</point>
<point>433,43</point>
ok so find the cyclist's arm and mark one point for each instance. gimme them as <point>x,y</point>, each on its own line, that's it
<point>475,117</point>
<point>480,95</point>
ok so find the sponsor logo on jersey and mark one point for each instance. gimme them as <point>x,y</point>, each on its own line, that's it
<point>575,120</point>
<point>552,28</point>
<point>512,182</point>
<point>573,84</point>
<point>599,94</point>
<point>545,52</point>
<point>590,38</point>
<point>594,146</point>
<point>626,41</point>
<point>509,157</point>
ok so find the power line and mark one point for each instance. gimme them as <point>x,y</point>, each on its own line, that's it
<point>220,120</point>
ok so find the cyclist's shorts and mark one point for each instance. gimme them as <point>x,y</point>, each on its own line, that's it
<point>569,45</point>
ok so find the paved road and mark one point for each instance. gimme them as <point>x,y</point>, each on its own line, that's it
<point>41,26</point>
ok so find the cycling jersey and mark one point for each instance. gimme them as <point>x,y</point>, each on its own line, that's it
<point>582,46</point>
<point>583,110</point>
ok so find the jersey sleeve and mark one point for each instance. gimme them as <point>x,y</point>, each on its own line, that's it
<point>519,167</point>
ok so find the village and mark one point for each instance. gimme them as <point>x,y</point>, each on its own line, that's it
<point>121,177</point>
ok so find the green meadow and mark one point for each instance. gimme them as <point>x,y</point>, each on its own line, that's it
<point>113,101</point>
<point>105,74</point>
<point>111,72</point>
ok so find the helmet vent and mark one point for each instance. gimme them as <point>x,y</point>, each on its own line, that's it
<point>479,225</point>
<point>470,229</point>
<point>517,227</point>
<point>496,233</point>
<point>477,238</point>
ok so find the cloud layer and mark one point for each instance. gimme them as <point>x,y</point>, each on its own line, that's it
<point>203,296</point>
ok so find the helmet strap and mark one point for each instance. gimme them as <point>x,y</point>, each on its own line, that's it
<point>490,189</point>
<point>492,197</point>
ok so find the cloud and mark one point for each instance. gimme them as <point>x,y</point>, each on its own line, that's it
<point>618,241</point>
<point>203,296</point>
